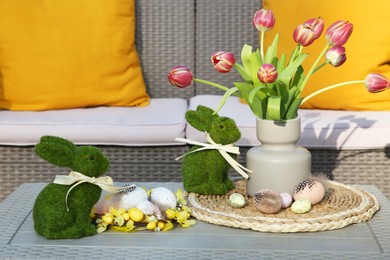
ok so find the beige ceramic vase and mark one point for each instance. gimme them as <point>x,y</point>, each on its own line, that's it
<point>278,163</point>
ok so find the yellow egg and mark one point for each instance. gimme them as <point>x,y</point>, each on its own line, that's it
<point>135,214</point>
<point>107,219</point>
<point>151,225</point>
<point>171,213</point>
<point>126,216</point>
<point>161,225</point>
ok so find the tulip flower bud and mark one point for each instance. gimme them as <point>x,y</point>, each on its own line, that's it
<point>267,73</point>
<point>336,56</point>
<point>316,24</point>
<point>376,83</point>
<point>338,33</point>
<point>180,76</point>
<point>223,61</point>
<point>264,20</point>
<point>304,35</point>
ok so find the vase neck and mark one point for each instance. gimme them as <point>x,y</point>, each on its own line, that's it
<point>276,133</point>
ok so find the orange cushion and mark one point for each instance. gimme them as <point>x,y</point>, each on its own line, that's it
<point>367,49</point>
<point>57,54</point>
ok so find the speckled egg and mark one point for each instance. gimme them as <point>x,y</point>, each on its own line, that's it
<point>301,206</point>
<point>267,201</point>
<point>236,200</point>
<point>163,198</point>
<point>286,200</point>
<point>312,190</point>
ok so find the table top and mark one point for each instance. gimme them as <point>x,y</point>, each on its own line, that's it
<point>369,240</point>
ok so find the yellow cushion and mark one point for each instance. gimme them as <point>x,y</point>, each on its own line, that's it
<point>57,54</point>
<point>367,49</point>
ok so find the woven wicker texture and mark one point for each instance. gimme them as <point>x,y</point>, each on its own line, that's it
<point>342,206</point>
<point>21,164</point>
<point>227,29</point>
<point>165,37</point>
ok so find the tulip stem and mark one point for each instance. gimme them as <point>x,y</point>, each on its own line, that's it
<point>262,46</point>
<point>319,67</point>
<point>329,88</point>
<point>311,71</point>
<point>213,84</point>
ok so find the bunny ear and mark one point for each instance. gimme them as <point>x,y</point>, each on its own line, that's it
<point>56,150</point>
<point>206,111</point>
<point>201,119</point>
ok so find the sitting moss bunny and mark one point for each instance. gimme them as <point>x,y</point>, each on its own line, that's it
<point>56,217</point>
<point>206,171</point>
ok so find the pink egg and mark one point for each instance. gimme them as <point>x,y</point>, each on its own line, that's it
<point>286,200</point>
<point>312,190</point>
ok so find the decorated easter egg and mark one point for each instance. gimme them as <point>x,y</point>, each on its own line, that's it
<point>301,206</point>
<point>312,190</point>
<point>163,198</point>
<point>131,196</point>
<point>267,201</point>
<point>286,200</point>
<point>236,200</point>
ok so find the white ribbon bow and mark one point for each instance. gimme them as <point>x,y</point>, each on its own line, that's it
<point>106,183</point>
<point>222,149</point>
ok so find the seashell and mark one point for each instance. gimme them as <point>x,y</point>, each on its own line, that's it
<point>163,198</point>
<point>310,189</point>
<point>267,201</point>
<point>301,206</point>
<point>286,200</point>
<point>236,200</point>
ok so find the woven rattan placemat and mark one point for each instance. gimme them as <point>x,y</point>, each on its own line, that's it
<point>343,205</point>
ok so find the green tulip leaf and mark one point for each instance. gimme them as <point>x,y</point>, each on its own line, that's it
<point>273,108</point>
<point>246,54</point>
<point>261,91</point>
<point>281,63</point>
<point>257,107</point>
<point>286,75</point>
<point>293,109</point>
<point>242,72</point>
<point>254,67</point>
<point>227,94</point>
<point>272,50</point>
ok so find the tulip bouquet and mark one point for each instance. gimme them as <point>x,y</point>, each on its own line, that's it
<point>272,86</point>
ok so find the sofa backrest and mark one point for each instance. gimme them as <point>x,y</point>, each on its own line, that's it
<point>187,32</point>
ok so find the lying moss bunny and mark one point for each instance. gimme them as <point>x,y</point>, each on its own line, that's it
<point>206,171</point>
<point>51,217</point>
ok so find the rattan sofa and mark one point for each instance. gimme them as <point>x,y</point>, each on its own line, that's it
<point>173,32</point>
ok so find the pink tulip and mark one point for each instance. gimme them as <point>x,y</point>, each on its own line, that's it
<point>264,20</point>
<point>338,33</point>
<point>223,61</point>
<point>304,35</point>
<point>316,24</point>
<point>180,76</point>
<point>376,83</point>
<point>336,56</point>
<point>267,73</point>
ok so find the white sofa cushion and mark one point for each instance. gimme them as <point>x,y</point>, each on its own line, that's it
<point>325,129</point>
<point>157,124</point>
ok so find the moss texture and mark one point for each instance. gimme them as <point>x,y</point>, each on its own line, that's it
<point>206,172</point>
<point>50,215</point>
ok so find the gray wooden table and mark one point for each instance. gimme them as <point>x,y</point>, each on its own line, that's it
<point>370,240</point>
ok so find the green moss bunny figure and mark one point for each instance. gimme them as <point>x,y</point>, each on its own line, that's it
<point>206,171</point>
<point>56,217</point>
